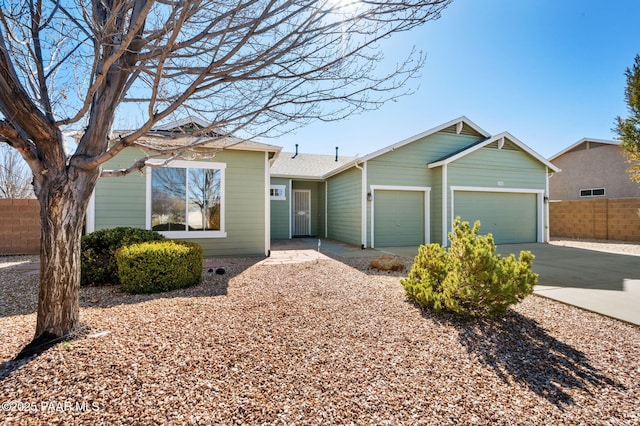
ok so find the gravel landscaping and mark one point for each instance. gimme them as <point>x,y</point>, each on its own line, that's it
<point>320,342</point>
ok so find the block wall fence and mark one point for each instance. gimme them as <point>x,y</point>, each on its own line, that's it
<point>19,226</point>
<point>598,218</point>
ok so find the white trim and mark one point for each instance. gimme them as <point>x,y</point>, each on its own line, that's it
<point>539,201</point>
<point>326,209</point>
<point>445,227</point>
<point>290,224</point>
<point>592,189</point>
<point>547,231</point>
<point>363,218</point>
<point>427,213</point>
<point>277,197</point>
<point>90,215</point>
<point>495,138</point>
<point>267,206</point>
<point>363,203</point>
<point>188,165</point>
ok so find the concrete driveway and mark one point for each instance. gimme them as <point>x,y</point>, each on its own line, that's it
<point>602,282</point>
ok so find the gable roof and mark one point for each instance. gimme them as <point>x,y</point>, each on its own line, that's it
<point>583,141</point>
<point>500,138</point>
<point>306,166</point>
<point>460,125</point>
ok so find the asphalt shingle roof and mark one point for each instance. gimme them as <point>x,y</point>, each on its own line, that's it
<point>306,165</point>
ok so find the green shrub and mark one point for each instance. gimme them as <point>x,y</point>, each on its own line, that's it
<point>98,252</point>
<point>157,266</point>
<point>469,278</point>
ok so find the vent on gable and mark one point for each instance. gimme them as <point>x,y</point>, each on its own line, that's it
<point>508,145</point>
<point>465,130</point>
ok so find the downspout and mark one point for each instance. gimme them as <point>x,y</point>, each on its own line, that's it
<point>363,206</point>
<point>90,221</point>
<point>267,207</point>
<point>290,207</point>
<point>547,198</point>
<point>445,228</point>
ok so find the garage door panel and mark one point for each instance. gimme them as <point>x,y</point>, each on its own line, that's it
<point>399,218</point>
<point>510,217</point>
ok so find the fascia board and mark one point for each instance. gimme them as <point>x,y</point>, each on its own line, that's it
<point>506,135</point>
<point>407,141</point>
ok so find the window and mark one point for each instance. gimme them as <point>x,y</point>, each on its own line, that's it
<point>592,192</point>
<point>277,192</point>
<point>186,198</point>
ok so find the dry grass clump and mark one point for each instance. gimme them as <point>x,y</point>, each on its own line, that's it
<point>387,263</point>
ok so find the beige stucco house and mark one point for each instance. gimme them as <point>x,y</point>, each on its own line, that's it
<point>592,168</point>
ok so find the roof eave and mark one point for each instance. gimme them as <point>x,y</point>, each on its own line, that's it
<point>492,139</point>
<point>581,141</point>
<point>424,134</point>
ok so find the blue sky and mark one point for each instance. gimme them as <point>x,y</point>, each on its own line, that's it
<point>550,72</point>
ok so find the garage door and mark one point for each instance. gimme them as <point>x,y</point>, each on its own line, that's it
<point>398,218</point>
<point>510,217</point>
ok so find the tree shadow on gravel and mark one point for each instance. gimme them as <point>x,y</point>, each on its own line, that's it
<point>518,349</point>
<point>22,299</point>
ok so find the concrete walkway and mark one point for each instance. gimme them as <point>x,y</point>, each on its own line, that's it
<point>601,282</point>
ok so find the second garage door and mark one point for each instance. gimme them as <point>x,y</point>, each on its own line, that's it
<point>510,217</point>
<point>399,218</point>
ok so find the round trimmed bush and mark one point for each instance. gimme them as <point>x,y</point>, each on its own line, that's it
<point>158,266</point>
<point>98,252</point>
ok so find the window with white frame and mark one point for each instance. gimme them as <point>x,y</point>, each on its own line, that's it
<point>277,192</point>
<point>186,199</point>
<point>592,192</point>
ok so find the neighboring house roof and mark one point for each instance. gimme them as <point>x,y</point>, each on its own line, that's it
<point>501,139</point>
<point>224,142</point>
<point>306,166</point>
<point>176,134</point>
<point>582,142</point>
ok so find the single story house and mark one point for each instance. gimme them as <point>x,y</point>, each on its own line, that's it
<point>215,195</point>
<point>233,197</point>
<point>592,168</point>
<point>409,193</point>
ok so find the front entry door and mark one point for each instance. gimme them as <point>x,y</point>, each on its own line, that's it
<point>301,212</point>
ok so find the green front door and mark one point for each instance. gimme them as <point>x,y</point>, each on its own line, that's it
<point>399,218</point>
<point>510,217</point>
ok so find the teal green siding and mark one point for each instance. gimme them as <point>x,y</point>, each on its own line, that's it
<point>501,169</point>
<point>122,202</point>
<point>488,166</point>
<point>510,217</point>
<point>344,206</point>
<point>407,166</point>
<point>280,214</point>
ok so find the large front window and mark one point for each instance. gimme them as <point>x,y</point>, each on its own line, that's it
<point>186,199</point>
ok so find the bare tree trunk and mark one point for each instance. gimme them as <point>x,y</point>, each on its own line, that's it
<point>62,214</point>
